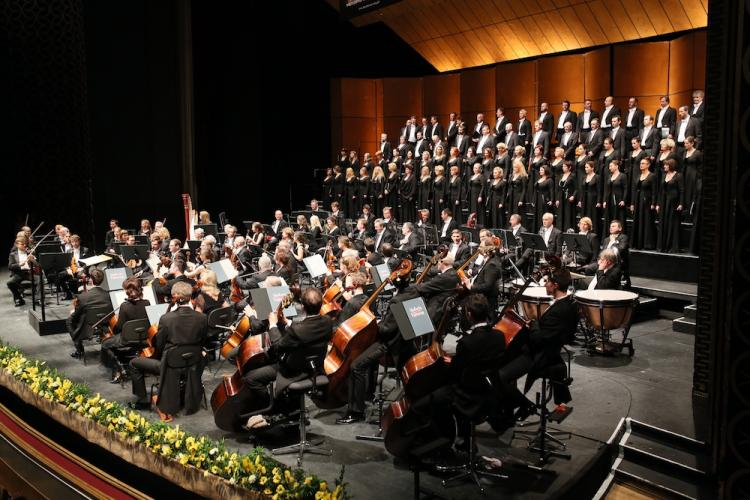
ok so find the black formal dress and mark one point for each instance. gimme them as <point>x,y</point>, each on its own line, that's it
<point>439,197</point>
<point>543,199</point>
<point>692,167</point>
<point>671,195</point>
<point>616,192</point>
<point>391,193</point>
<point>516,196</point>
<point>590,197</point>
<point>566,212</point>
<point>496,203</point>
<point>408,196</point>
<point>642,199</point>
<point>456,197</point>
<point>424,193</point>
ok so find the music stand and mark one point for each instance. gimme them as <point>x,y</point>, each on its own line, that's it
<point>134,252</point>
<point>114,277</point>
<point>207,228</point>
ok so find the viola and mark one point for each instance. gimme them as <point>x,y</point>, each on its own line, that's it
<point>351,338</point>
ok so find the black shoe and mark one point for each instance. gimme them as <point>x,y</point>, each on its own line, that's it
<point>350,418</point>
<point>139,405</point>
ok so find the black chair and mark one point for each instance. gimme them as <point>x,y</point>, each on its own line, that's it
<point>305,387</point>
<point>177,364</point>
<point>545,440</point>
<point>94,316</point>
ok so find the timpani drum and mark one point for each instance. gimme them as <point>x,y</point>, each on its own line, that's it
<point>606,309</point>
<point>534,302</point>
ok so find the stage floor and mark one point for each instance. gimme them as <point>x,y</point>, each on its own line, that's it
<point>654,386</point>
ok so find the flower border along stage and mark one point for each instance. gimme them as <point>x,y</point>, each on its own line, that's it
<point>196,463</point>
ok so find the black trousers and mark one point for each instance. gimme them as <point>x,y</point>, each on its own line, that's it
<point>139,367</point>
<point>363,374</point>
<point>14,283</point>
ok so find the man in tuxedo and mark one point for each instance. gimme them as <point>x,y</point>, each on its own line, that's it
<point>462,141</point>
<point>452,131</point>
<point>382,234</point>
<point>584,120</point>
<point>595,140</point>
<point>546,119</point>
<point>686,127</point>
<point>411,242</point>
<point>477,131</point>
<point>524,131</point>
<point>618,137</point>
<point>605,270</point>
<point>180,327</point>
<point>410,132</point>
<point>633,119</point>
<point>291,345</point>
<point>500,122</point>
<point>697,110</point>
<point>458,249</point>
<point>610,110</point>
<point>94,297</point>
<point>421,146</point>
<point>568,141</point>
<point>566,115</point>
<point>385,147</point>
<point>19,265</point>
<point>666,117</point>
<point>487,140</point>
<point>449,224</point>
<point>540,137</point>
<point>435,128</point>
<point>619,242</point>
<point>511,138</point>
<point>650,137</point>
<point>486,271</point>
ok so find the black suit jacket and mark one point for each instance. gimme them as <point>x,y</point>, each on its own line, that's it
<point>292,344</point>
<point>94,297</point>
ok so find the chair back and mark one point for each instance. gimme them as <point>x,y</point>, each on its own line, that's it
<point>134,331</point>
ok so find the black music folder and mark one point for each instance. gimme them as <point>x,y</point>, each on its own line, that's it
<point>412,318</point>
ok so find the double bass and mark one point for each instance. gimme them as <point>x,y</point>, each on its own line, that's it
<point>351,338</point>
<point>228,402</point>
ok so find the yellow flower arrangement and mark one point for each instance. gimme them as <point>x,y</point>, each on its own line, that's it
<point>250,470</point>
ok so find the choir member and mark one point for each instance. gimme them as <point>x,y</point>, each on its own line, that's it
<point>390,191</point>
<point>517,186</point>
<point>496,192</point>
<point>439,193</point>
<point>669,208</point>
<point>476,193</point>
<point>351,192</point>
<point>424,189</point>
<point>408,194</point>
<point>692,167</point>
<point>566,197</point>
<point>590,202</point>
<point>643,206</point>
<point>542,195</point>
<point>615,194</point>
<point>455,193</point>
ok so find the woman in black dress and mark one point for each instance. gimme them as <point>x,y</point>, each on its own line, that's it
<point>692,166</point>
<point>390,192</point>
<point>351,191</point>
<point>439,194</point>
<point>408,195</point>
<point>456,194</point>
<point>502,158</point>
<point>516,191</point>
<point>439,157</point>
<point>643,206</point>
<point>615,195</point>
<point>339,184</point>
<point>669,208</point>
<point>608,154</point>
<point>363,189</point>
<point>544,196</point>
<point>424,190</point>
<point>496,188</point>
<point>566,198</point>
<point>556,165</point>
<point>476,193</point>
<point>488,163</point>
<point>591,203</point>
<point>377,188</point>
<point>328,188</point>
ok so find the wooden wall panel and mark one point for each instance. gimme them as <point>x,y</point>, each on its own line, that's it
<point>441,95</point>
<point>597,82</point>
<point>630,60</point>
<point>477,93</point>
<point>561,77</point>
<point>681,65</point>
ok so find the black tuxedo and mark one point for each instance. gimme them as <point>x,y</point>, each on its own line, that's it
<point>606,121</point>
<point>94,297</point>
<point>387,150</point>
<point>571,117</point>
<point>499,129</point>
<point>668,120</point>
<point>543,139</point>
<point>452,224</point>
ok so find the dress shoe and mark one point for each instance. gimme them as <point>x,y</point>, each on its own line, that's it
<point>351,417</point>
<point>139,405</point>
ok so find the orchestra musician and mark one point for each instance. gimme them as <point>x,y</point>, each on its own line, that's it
<point>93,297</point>
<point>290,347</point>
<point>180,327</point>
<point>19,265</point>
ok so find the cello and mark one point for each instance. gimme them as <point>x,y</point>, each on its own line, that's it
<point>227,400</point>
<point>351,338</point>
<point>422,374</point>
